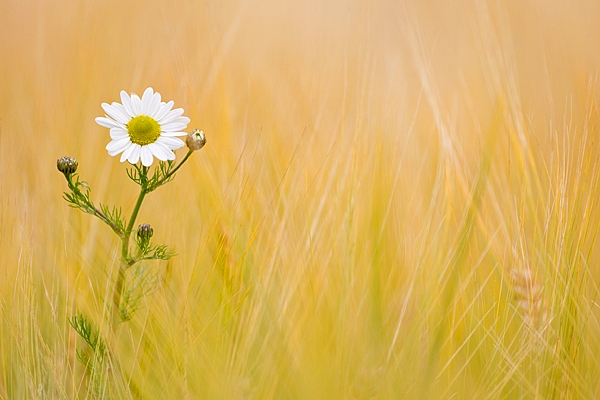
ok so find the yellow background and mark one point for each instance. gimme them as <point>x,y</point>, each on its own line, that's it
<point>378,175</point>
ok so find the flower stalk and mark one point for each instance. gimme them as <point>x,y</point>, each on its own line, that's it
<point>141,130</point>
<point>127,260</point>
<point>78,196</point>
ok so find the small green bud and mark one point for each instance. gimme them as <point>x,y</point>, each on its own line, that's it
<point>145,232</point>
<point>195,140</point>
<point>67,165</point>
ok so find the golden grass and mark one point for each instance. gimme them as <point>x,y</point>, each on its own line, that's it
<point>395,201</point>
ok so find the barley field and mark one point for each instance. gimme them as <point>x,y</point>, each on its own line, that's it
<point>397,200</point>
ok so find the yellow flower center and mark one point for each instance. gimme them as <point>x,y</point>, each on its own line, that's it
<point>143,130</point>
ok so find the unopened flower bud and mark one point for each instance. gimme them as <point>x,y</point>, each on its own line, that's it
<point>67,165</point>
<point>195,140</point>
<point>145,231</point>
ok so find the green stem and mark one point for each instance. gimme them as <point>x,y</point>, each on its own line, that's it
<point>136,209</point>
<point>117,295</point>
<point>167,176</point>
<point>125,261</point>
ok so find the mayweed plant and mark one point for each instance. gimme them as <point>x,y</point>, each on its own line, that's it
<point>141,129</point>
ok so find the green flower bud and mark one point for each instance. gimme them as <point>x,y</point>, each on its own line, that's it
<point>145,232</point>
<point>67,165</point>
<point>195,140</point>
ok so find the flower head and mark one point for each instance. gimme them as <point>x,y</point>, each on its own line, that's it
<point>195,140</point>
<point>67,165</point>
<point>143,128</point>
<point>145,231</point>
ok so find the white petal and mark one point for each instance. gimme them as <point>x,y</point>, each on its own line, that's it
<point>155,104</point>
<point>135,154</point>
<point>147,100</point>
<point>126,101</point>
<point>115,113</point>
<point>127,152</point>
<point>172,134</point>
<point>171,142</point>
<point>171,116</point>
<point>116,133</point>
<point>146,155</point>
<point>108,123</point>
<point>163,110</point>
<point>181,120</point>
<point>161,151</point>
<point>136,104</point>
<point>156,151</point>
<point>117,146</point>
<point>173,127</point>
<point>118,107</point>
<point>170,154</point>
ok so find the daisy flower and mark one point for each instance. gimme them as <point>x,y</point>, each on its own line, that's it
<point>142,129</point>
